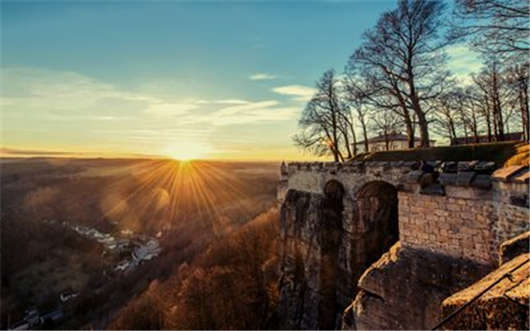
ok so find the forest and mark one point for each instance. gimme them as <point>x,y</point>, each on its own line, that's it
<point>186,206</point>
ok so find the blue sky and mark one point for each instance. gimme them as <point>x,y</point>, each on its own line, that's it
<point>210,79</point>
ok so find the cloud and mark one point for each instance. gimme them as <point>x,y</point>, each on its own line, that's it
<point>221,101</point>
<point>299,92</point>
<point>249,107</point>
<point>25,152</point>
<point>232,101</point>
<point>463,62</point>
<point>247,113</point>
<point>48,94</point>
<point>173,109</point>
<point>261,76</point>
<point>77,111</point>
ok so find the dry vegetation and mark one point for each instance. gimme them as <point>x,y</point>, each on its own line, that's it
<point>232,285</point>
<point>191,204</point>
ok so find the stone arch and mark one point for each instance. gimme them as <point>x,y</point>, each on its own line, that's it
<point>376,222</point>
<point>331,238</point>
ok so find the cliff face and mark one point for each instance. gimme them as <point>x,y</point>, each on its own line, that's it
<point>310,295</point>
<point>404,289</point>
<point>325,248</point>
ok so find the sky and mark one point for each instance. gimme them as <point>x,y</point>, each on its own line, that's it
<point>218,80</point>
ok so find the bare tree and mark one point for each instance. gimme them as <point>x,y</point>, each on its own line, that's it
<point>517,79</point>
<point>471,110</point>
<point>498,27</point>
<point>324,123</point>
<point>358,101</point>
<point>403,61</point>
<point>374,84</point>
<point>495,94</point>
<point>445,121</point>
<point>386,122</point>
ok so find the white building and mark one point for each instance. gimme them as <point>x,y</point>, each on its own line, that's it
<point>394,141</point>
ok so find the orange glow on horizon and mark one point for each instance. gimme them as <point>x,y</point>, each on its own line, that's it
<point>168,191</point>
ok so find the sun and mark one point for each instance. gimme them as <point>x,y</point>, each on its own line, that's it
<point>187,152</point>
<point>184,156</point>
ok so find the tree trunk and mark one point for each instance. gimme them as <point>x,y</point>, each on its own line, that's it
<point>365,133</point>
<point>422,120</point>
<point>346,142</point>
<point>410,132</point>
<point>494,120</point>
<point>475,126</point>
<point>424,130</point>
<point>523,102</point>
<point>465,133</point>
<point>497,110</point>
<point>354,137</point>
<point>334,131</point>
<point>452,130</point>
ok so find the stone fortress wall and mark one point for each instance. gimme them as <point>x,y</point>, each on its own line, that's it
<point>460,212</point>
<point>466,214</point>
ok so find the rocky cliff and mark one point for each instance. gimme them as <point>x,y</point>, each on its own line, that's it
<point>500,300</point>
<point>405,288</point>
<point>323,253</point>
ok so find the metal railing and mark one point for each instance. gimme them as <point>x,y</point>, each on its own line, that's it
<point>506,275</point>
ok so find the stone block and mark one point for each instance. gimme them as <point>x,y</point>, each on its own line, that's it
<point>414,165</point>
<point>520,200</point>
<point>523,176</point>
<point>485,167</point>
<point>503,174</point>
<point>414,176</point>
<point>482,181</point>
<point>433,189</point>
<point>464,178</point>
<point>450,167</point>
<point>447,178</point>
<point>466,165</point>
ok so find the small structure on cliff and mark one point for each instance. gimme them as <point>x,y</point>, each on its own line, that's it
<point>341,223</point>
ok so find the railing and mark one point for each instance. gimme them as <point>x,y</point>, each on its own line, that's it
<point>456,312</point>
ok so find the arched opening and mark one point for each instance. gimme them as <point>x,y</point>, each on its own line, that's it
<point>377,222</point>
<point>330,241</point>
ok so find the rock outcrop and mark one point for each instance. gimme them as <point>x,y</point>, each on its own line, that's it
<point>325,248</point>
<point>309,298</point>
<point>504,306</point>
<point>514,247</point>
<point>405,288</point>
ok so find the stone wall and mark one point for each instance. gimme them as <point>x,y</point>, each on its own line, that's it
<point>469,227</point>
<point>451,221</point>
<point>464,214</point>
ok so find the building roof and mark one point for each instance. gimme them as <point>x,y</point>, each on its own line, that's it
<point>484,138</point>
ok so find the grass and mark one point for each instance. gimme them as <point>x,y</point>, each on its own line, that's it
<point>503,153</point>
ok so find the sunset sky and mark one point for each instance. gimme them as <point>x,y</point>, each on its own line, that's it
<point>208,80</point>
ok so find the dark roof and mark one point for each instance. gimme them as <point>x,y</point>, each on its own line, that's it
<point>484,138</point>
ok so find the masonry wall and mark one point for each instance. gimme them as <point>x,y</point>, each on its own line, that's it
<point>461,227</point>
